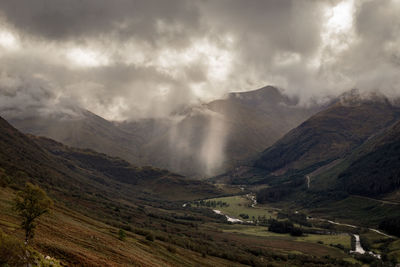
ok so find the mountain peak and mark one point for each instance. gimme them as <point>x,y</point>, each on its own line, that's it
<point>355,98</point>
<point>268,94</point>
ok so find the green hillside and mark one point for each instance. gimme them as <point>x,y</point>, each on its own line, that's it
<point>328,135</point>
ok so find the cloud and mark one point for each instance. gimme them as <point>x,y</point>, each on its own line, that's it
<point>133,59</point>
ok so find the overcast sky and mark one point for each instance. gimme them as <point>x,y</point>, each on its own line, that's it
<point>126,59</point>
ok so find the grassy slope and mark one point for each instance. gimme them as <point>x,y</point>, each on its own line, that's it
<point>76,239</point>
<point>368,150</point>
<point>70,171</point>
<point>328,135</point>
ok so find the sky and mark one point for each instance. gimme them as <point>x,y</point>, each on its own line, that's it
<point>127,59</point>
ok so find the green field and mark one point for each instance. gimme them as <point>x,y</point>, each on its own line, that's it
<point>342,239</point>
<point>242,205</point>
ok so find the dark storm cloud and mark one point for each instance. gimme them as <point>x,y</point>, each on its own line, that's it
<point>372,62</point>
<point>62,20</point>
<point>123,58</point>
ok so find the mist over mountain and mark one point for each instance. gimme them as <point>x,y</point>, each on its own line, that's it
<point>204,140</point>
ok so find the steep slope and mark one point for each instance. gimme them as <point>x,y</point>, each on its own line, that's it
<point>257,119</point>
<point>83,129</point>
<point>371,170</point>
<point>329,135</point>
<point>70,170</point>
<point>204,140</point>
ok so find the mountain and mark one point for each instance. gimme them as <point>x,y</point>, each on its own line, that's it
<point>83,129</point>
<point>257,119</point>
<point>204,140</point>
<point>329,135</point>
<point>67,170</point>
<point>341,163</point>
<point>375,171</point>
<point>371,170</point>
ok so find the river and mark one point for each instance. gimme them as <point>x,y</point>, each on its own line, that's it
<point>230,219</point>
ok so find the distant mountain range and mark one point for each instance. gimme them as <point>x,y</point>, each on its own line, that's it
<point>197,141</point>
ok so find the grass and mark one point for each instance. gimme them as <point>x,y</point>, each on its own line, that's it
<point>394,250</point>
<point>357,210</point>
<point>287,244</point>
<point>242,205</point>
<point>76,239</point>
<point>342,239</point>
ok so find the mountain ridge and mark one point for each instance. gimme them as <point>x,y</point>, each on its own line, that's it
<point>205,140</point>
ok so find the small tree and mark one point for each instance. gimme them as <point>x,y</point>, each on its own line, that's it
<point>31,203</point>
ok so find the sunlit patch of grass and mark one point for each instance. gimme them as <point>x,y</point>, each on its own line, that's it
<point>242,205</point>
<point>341,239</point>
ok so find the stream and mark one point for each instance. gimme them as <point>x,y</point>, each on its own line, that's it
<point>230,219</point>
<point>358,249</point>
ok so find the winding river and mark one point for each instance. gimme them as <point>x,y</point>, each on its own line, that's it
<point>358,247</point>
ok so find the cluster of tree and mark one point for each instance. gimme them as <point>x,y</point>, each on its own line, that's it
<point>211,203</point>
<point>244,216</point>
<point>280,191</point>
<point>284,227</point>
<point>375,173</point>
<point>391,225</point>
<point>296,217</point>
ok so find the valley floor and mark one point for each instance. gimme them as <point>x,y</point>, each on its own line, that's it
<point>334,239</point>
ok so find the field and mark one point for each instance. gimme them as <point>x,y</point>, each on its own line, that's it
<point>242,205</point>
<point>342,239</point>
<point>307,243</point>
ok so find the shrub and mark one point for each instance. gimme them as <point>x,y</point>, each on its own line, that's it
<point>244,216</point>
<point>13,252</point>
<point>284,227</point>
<point>121,235</point>
<point>150,237</point>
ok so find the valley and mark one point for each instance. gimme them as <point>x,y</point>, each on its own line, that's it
<point>246,219</point>
<point>229,133</point>
<point>295,209</point>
